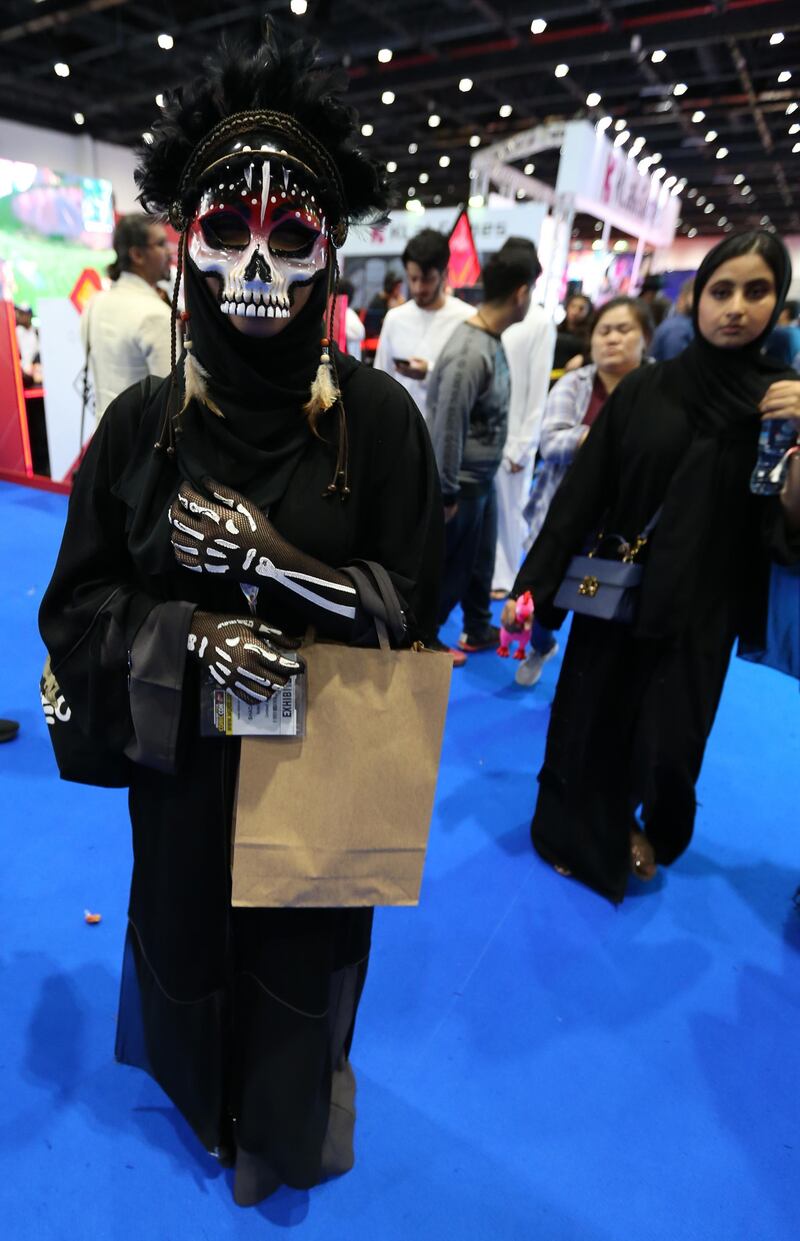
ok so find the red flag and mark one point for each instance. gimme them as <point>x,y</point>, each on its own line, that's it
<point>465,267</point>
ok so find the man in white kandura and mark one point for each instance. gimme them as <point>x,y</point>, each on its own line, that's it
<point>127,329</point>
<point>529,349</point>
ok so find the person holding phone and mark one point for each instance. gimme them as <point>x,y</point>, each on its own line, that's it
<point>414,334</point>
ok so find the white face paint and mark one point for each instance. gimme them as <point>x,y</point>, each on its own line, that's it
<point>260,228</point>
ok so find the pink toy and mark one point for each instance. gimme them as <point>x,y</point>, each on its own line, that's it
<point>522,629</point>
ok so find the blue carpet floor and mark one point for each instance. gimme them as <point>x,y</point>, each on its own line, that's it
<point>533,1064</point>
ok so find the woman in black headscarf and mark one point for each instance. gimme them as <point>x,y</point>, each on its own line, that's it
<point>635,704</point>
<point>269,466</point>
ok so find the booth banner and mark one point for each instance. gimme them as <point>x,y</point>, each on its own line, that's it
<point>607,184</point>
<point>491,227</point>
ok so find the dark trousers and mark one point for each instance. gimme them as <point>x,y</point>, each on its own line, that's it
<point>470,545</point>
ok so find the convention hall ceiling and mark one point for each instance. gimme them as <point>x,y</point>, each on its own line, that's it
<point>712,88</point>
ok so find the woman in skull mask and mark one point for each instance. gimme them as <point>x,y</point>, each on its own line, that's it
<point>276,458</point>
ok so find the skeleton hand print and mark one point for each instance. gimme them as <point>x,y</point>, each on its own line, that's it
<point>228,535</point>
<point>248,658</point>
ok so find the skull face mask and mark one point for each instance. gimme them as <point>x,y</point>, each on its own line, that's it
<point>261,228</point>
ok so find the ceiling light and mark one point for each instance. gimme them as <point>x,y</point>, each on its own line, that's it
<point>792,108</point>
<point>622,138</point>
<point>701,200</point>
<point>367,130</point>
<point>165,42</point>
<point>61,70</point>
<point>159,101</point>
<point>444,161</point>
<point>475,140</point>
<point>597,245</point>
<point>658,174</point>
<point>437,198</point>
<point>722,221</point>
<point>412,148</point>
<point>680,187</point>
<point>620,125</point>
<point>738,179</point>
<point>434,121</point>
<point>637,145</point>
<point>147,137</point>
<point>796,148</point>
<point>391,166</point>
<point>784,76</point>
<point>794,129</point>
<point>728,228</point>
<point>775,38</point>
<point>670,181</point>
<point>698,116</point>
<point>387,97</point>
<point>465,85</point>
<point>658,56</point>
<point>603,124</point>
<point>506,110</point>
<point>745,190</point>
<point>385,55</point>
<point>692,193</point>
<point>764,220</point>
<point>709,207</point>
<point>529,170</point>
<point>620,245</point>
<point>520,193</point>
<point>593,99</point>
<point>643,165</point>
<point>78,118</point>
<point>711,135</point>
<point>561,71</point>
<point>299,7</point>
<point>538,25</point>
<point>476,200</point>
<point>656,158</point>
<point>680,88</point>
<point>415,205</point>
<point>424,178</point>
<point>692,232</point>
<point>411,191</point>
<point>722,152</point>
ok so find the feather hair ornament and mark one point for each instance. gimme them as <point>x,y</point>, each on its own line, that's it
<point>195,381</point>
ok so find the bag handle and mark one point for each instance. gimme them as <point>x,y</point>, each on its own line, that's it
<point>630,550</point>
<point>378,595</point>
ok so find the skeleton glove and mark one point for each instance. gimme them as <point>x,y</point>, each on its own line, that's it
<point>229,535</point>
<point>242,655</point>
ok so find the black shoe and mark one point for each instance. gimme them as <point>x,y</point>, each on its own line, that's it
<point>8,730</point>
<point>474,642</point>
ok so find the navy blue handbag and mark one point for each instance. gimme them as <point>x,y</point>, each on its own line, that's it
<point>607,589</point>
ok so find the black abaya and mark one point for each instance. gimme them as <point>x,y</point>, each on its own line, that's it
<point>244,1017</point>
<point>634,706</point>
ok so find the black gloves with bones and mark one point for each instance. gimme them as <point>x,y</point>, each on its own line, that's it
<point>243,655</point>
<point>229,535</point>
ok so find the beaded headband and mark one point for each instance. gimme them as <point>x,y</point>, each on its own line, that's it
<point>243,122</point>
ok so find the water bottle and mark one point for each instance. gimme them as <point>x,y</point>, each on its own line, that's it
<point>777,436</point>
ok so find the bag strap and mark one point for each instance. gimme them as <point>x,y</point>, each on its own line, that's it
<point>632,549</point>
<point>379,597</point>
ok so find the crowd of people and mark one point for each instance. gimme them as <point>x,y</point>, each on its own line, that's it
<point>448,471</point>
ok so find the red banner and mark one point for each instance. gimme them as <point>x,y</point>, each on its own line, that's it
<point>465,267</point>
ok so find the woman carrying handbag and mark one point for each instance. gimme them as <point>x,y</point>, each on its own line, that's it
<point>664,477</point>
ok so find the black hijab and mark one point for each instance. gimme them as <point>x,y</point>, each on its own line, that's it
<point>721,388</point>
<point>710,525</point>
<point>261,385</point>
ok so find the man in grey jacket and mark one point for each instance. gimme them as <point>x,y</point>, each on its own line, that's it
<point>467,414</point>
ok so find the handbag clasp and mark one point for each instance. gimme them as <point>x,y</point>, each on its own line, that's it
<point>589,587</point>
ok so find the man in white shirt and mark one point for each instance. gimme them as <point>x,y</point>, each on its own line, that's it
<point>529,349</point>
<point>414,334</point>
<point>127,329</point>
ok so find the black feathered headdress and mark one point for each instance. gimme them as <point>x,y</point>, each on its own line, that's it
<point>241,79</point>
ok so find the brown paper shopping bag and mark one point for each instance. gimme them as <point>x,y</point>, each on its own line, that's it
<point>342,816</point>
